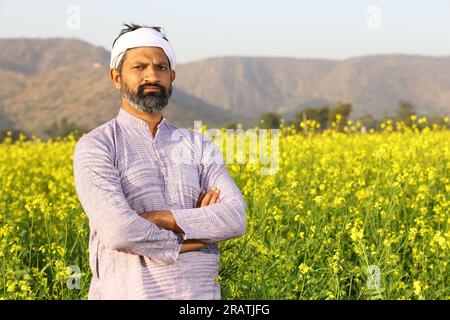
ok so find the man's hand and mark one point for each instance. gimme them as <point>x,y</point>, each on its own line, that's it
<point>208,198</point>
<point>163,219</point>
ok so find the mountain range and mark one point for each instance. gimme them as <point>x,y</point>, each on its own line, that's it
<point>45,80</point>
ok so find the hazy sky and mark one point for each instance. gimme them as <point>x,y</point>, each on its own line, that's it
<point>199,29</point>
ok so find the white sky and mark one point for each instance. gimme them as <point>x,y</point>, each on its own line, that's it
<point>200,29</point>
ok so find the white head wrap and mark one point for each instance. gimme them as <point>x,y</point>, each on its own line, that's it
<point>142,37</point>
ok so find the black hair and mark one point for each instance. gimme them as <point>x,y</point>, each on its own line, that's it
<point>128,27</point>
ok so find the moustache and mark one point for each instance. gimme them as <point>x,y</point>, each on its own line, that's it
<point>145,85</point>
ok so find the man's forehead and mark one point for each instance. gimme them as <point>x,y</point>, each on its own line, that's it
<point>147,54</point>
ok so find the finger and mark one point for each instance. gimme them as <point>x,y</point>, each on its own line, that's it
<point>214,197</point>
<point>200,198</point>
<point>207,197</point>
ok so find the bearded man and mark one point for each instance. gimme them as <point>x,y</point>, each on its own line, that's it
<point>155,221</point>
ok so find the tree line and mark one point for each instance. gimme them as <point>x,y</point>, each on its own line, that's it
<point>58,129</point>
<point>322,114</point>
<point>326,115</point>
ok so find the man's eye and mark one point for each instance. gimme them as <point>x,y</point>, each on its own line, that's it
<point>139,67</point>
<point>163,68</point>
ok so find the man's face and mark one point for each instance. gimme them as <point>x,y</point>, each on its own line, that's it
<point>146,79</point>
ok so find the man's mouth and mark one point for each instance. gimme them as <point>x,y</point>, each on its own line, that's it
<point>152,88</point>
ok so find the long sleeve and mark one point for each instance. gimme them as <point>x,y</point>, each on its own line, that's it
<point>220,221</point>
<point>97,183</point>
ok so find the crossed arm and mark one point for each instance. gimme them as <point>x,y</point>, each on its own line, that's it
<point>161,235</point>
<point>164,219</point>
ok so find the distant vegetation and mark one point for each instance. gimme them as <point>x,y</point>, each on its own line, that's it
<point>325,115</point>
<point>14,135</point>
<point>58,129</point>
<point>64,128</point>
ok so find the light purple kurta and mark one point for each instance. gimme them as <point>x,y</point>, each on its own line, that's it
<point>121,170</point>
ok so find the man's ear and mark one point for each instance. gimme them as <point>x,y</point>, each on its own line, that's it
<point>174,74</point>
<point>115,77</point>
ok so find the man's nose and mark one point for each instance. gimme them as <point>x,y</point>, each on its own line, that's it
<point>151,75</point>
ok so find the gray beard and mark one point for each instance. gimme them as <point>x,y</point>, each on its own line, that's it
<point>151,103</point>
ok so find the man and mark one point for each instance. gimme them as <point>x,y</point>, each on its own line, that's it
<point>155,220</point>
